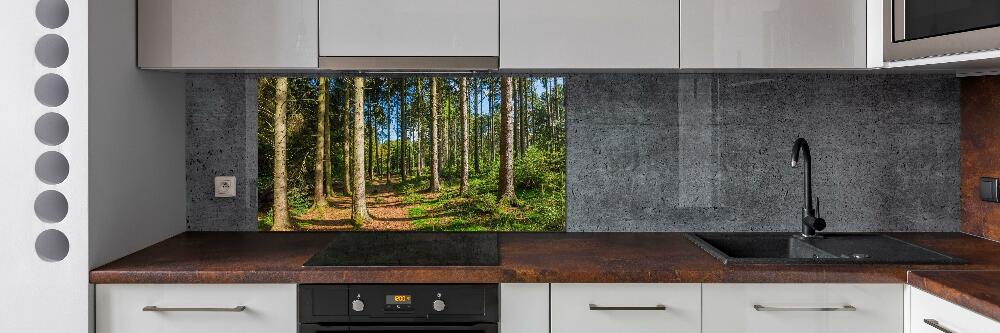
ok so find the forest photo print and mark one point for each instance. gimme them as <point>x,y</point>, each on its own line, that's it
<point>423,153</point>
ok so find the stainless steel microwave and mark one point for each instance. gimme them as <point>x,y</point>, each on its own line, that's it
<point>929,28</point>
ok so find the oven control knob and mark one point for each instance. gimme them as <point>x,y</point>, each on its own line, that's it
<point>438,305</point>
<point>358,305</point>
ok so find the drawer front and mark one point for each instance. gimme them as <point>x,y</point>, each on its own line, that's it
<point>268,308</point>
<point>803,308</point>
<point>524,308</point>
<point>947,316</point>
<point>635,308</point>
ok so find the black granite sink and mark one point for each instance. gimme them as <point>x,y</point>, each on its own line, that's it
<point>836,248</point>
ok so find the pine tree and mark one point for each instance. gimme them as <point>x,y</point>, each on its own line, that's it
<point>506,186</point>
<point>359,209</point>
<point>319,161</point>
<point>435,158</point>
<point>464,91</point>
<point>280,208</point>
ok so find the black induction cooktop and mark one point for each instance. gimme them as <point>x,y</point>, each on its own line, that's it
<point>409,249</point>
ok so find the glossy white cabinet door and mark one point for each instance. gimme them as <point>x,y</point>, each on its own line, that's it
<point>924,306</point>
<point>589,34</point>
<point>729,308</point>
<point>228,34</point>
<point>773,34</point>
<point>524,308</point>
<point>412,28</point>
<point>572,313</point>
<point>270,308</point>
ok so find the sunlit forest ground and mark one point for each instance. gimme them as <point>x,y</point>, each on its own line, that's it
<point>401,206</point>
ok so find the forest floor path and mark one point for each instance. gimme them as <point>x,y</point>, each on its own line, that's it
<point>386,206</point>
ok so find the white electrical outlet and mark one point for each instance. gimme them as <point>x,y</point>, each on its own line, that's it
<point>225,187</point>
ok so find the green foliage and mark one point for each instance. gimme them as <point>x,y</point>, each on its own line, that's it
<point>540,206</point>
<point>298,203</point>
<point>540,170</point>
<point>265,222</point>
<point>409,191</point>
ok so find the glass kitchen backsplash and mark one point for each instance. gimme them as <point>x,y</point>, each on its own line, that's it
<point>498,144</point>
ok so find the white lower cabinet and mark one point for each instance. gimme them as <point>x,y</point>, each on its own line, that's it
<point>196,308</point>
<point>930,314</point>
<point>634,308</point>
<point>803,308</point>
<point>524,308</point>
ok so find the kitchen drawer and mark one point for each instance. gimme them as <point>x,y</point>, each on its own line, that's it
<point>634,308</point>
<point>803,308</point>
<point>949,317</point>
<point>269,308</point>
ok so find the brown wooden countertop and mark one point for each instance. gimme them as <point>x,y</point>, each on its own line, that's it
<point>249,257</point>
<point>978,291</point>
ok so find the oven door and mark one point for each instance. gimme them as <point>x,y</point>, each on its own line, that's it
<point>916,29</point>
<point>474,328</point>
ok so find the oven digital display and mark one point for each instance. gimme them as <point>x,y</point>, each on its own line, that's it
<point>398,299</point>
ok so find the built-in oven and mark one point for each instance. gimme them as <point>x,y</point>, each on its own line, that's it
<point>413,308</point>
<point>916,29</point>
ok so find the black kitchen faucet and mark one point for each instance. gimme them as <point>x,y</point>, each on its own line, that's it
<point>811,223</point>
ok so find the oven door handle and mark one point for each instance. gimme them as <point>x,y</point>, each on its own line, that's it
<point>486,328</point>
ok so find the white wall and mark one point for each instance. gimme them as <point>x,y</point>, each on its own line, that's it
<point>40,295</point>
<point>137,186</point>
<point>126,130</point>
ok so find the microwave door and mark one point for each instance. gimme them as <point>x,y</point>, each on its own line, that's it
<point>916,29</point>
<point>917,19</point>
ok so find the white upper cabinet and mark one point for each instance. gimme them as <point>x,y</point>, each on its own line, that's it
<point>589,34</point>
<point>409,28</point>
<point>196,34</point>
<point>776,33</point>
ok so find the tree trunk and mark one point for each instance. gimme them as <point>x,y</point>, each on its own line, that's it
<point>388,132</point>
<point>319,165</point>
<point>348,137</point>
<point>420,126</point>
<point>404,135</point>
<point>506,186</point>
<point>518,114</point>
<point>327,151</point>
<point>491,127</point>
<point>523,120</point>
<point>464,187</point>
<point>446,145</point>
<point>280,208</point>
<point>359,209</point>
<point>475,125</point>
<point>372,139</point>
<point>435,158</point>
<point>548,115</point>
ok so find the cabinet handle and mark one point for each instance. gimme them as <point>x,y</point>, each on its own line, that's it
<point>935,324</point>
<point>759,307</point>
<point>658,307</point>
<point>154,308</point>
